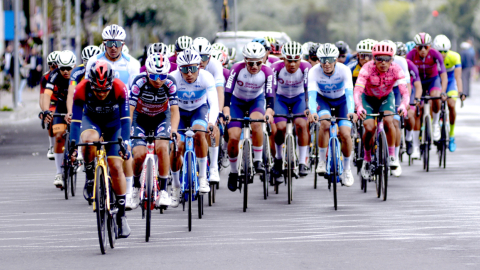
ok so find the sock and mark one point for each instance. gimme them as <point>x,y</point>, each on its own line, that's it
<point>409,136</point>
<point>367,156</point>
<point>391,151</point>
<point>435,117</point>
<point>80,154</point>
<point>233,165</point>
<point>163,182</point>
<point>51,140</point>
<point>346,163</point>
<point>397,151</point>
<point>323,154</point>
<point>202,167</point>
<point>213,153</point>
<point>416,138</point>
<point>90,170</point>
<point>257,153</point>
<point>303,154</point>
<point>176,179</point>
<point>129,184</point>
<point>452,131</point>
<point>58,162</point>
<point>279,149</point>
<point>121,205</point>
<point>136,181</point>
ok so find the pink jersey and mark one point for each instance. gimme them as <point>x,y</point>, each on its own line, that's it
<point>430,66</point>
<point>373,83</point>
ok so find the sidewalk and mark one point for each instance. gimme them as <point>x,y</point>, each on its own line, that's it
<point>28,111</point>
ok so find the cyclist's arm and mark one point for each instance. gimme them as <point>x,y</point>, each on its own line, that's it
<point>175,117</point>
<point>212,98</point>
<point>360,87</point>
<point>312,91</point>
<point>173,101</point>
<point>71,91</point>
<point>230,84</point>
<point>442,71</point>
<point>418,89</point>
<point>349,90</point>
<point>270,87</point>
<point>47,96</point>
<point>220,91</point>
<point>77,113</point>
<point>122,97</point>
<point>133,98</point>
<point>402,87</point>
<point>457,72</point>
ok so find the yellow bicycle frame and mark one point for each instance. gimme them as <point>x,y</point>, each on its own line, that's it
<point>101,162</point>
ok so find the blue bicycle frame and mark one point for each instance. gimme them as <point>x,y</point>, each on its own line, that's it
<point>189,150</point>
<point>334,140</point>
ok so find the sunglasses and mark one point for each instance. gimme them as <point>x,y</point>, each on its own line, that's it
<point>204,57</point>
<point>51,64</point>
<point>342,56</point>
<point>420,47</point>
<point>96,89</point>
<point>290,58</point>
<point>365,56</point>
<point>443,52</point>
<point>383,58</point>
<point>111,43</point>
<point>186,70</point>
<point>330,60</point>
<point>66,68</point>
<point>155,77</point>
<point>314,58</point>
<point>254,63</point>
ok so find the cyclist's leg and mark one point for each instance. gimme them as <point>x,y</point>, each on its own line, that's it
<point>198,119</point>
<point>388,107</point>
<point>345,134</point>
<point>51,136</point>
<point>213,152</point>
<point>324,130</point>
<point>301,128</point>
<point>237,109</point>
<point>435,89</point>
<point>396,121</point>
<point>281,125</point>
<point>410,122</point>
<point>452,91</point>
<point>176,157</point>
<point>161,148</point>
<point>257,111</point>
<point>371,105</point>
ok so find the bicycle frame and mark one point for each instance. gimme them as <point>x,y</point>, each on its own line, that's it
<point>189,148</point>
<point>246,136</point>
<point>338,155</point>
<point>101,162</point>
<point>150,156</point>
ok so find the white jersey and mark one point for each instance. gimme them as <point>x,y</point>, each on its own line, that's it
<point>193,95</point>
<point>126,67</point>
<point>216,69</point>
<point>330,86</point>
<point>404,65</point>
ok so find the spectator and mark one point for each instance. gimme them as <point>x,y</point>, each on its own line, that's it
<point>35,64</point>
<point>468,61</point>
<point>7,61</point>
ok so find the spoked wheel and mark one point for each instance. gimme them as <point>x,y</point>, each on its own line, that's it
<point>73,181</point>
<point>66,180</point>
<point>315,175</point>
<point>290,162</point>
<point>378,170</point>
<point>428,141</point>
<point>211,194</point>
<point>112,222</point>
<point>442,155</point>
<point>190,188</point>
<point>101,208</point>
<point>200,205</point>
<point>384,173</point>
<point>246,173</point>
<point>334,173</point>
<point>266,175</point>
<point>149,199</point>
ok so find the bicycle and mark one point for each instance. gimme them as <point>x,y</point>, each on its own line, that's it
<point>426,132</point>
<point>149,188</point>
<point>290,162</point>
<point>104,203</point>
<point>245,166</point>
<point>442,144</point>
<point>267,176</point>
<point>314,127</point>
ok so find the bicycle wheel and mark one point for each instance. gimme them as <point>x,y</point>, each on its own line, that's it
<point>190,188</point>
<point>266,162</point>
<point>111,221</point>
<point>200,205</point>
<point>246,172</point>
<point>384,165</point>
<point>101,208</point>
<point>66,178</point>
<point>315,146</point>
<point>334,172</point>
<point>73,181</point>
<point>443,145</point>
<point>149,200</point>
<point>290,159</point>
<point>428,141</point>
<point>378,162</point>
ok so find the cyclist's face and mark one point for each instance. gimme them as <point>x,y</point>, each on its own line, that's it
<point>101,95</point>
<point>328,67</point>
<point>113,52</point>
<point>423,50</point>
<point>292,65</point>
<point>203,64</point>
<point>365,59</point>
<point>383,66</point>
<point>66,73</point>
<point>157,84</point>
<point>254,65</point>
<point>342,58</point>
<point>190,77</point>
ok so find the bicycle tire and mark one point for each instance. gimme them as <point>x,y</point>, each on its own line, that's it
<point>384,182</point>
<point>364,184</point>
<point>190,188</point>
<point>73,182</point>
<point>428,140</point>
<point>210,193</point>
<point>149,201</point>
<point>289,158</point>
<point>315,146</point>
<point>101,209</point>
<point>333,173</point>
<point>111,222</point>
<point>66,176</point>
<point>378,161</point>
<point>266,162</point>
<point>246,172</point>
<point>443,141</point>
<point>200,205</point>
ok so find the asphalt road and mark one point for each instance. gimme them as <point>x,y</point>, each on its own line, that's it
<point>430,220</point>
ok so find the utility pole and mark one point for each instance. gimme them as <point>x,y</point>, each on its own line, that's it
<point>68,19</point>
<point>17,54</point>
<point>77,29</point>
<point>236,21</point>
<point>360,19</point>
<point>45,37</point>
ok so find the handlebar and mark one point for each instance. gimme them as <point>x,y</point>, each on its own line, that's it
<point>249,120</point>
<point>52,114</point>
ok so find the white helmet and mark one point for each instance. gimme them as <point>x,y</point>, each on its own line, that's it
<point>232,53</point>
<point>66,59</point>
<point>53,58</point>
<point>306,48</point>
<point>102,47</point>
<point>422,39</point>
<point>292,49</point>
<point>125,49</point>
<point>442,43</point>
<point>365,46</point>
<point>202,46</point>
<point>182,43</point>
<point>158,48</point>
<point>327,50</point>
<point>157,64</point>
<point>220,47</point>
<point>254,50</point>
<point>221,56</point>
<point>113,32</point>
<point>188,57</point>
<point>171,48</point>
<point>89,51</point>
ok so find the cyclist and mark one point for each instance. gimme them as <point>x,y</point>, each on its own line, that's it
<point>432,74</point>
<point>125,49</point>
<point>312,54</point>
<point>277,49</point>
<point>182,43</point>
<point>291,76</point>
<point>249,86</point>
<point>364,54</point>
<point>154,106</point>
<point>453,65</point>
<point>268,60</point>
<point>100,110</point>
<point>232,53</point>
<point>373,93</point>
<point>52,65</point>
<point>344,56</point>
<point>161,49</point>
<point>57,86</point>
<point>195,88</point>
<point>125,68</point>
<point>214,67</point>
<point>221,56</point>
<point>306,50</point>
<point>330,86</point>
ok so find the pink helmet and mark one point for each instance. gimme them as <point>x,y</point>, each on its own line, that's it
<point>382,48</point>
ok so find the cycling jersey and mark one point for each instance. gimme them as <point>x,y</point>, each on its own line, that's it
<point>126,67</point>
<point>452,61</point>
<point>247,87</point>
<point>428,66</point>
<point>402,62</point>
<point>173,66</point>
<point>216,69</point>
<point>151,101</point>
<point>78,74</point>
<point>173,59</point>
<point>271,60</point>
<point>226,73</point>
<point>355,67</point>
<point>291,85</point>
<point>335,86</point>
<point>191,96</point>
<point>58,84</point>
<point>413,70</point>
<point>43,84</point>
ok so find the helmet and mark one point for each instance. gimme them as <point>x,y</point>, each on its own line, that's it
<point>254,50</point>
<point>202,46</point>
<point>102,47</point>
<point>277,47</point>
<point>342,47</point>
<point>401,48</point>
<point>270,39</point>
<point>383,48</point>
<point>292,49</point>
<point>392,44</point>
<point>422,39</point>
<point>101,75</point>
<point>313,49</point>
<point>53,58</point>
<point>365,46</point>
<point>442,43</point>
<point>89,51</point>
<point>188,57</point>
<point>327,50</point>
<point>158,48</point>
<point>232,52</point>
<point>306,47</point>
<point>220,46</point>
<point>66,59</point>
<point>182,43</point>
<point>171,48</point>
<point>113,32</point>
<point>157,64</point>
<point>220,56</point>
<point>410,45</point>
<point>264,42</point>
<point>125,49</point>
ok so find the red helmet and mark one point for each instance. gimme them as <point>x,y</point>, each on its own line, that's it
<point>102,75</point>
<point>382,48</point>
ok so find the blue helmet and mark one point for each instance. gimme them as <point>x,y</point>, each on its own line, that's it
<point>410,45</point>
<point>264,42</point>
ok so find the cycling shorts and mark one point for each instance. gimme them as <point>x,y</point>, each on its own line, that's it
<point>239,107</point>
<point>105,130</point>
<point>199,116</point>
<point>61,107</point>
<point>339,106</point>
<point>142,125</point>
<point>283,103</point>
<point>453,93</point>
<point>375,105</point>
<point>452,85</point>
<point>431,84</point>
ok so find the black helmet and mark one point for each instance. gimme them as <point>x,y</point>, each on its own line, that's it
<point>342,47</point>
<point>312,51</point>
